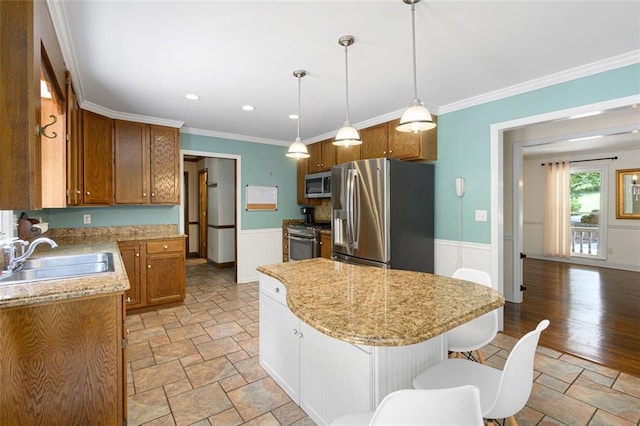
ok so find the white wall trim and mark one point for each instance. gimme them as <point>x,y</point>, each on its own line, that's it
<point>258,247</point>
<point>608,64</point>
<point>233,136</point>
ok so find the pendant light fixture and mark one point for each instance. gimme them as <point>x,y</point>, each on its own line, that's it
<point>297,149</point>
<point>347,135</point>
<point>416,118</point>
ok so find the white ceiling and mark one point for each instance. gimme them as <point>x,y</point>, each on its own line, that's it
<point>141,57</point>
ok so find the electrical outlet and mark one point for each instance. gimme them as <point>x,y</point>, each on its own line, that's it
<point>481,215</point>
<point>86,219</point>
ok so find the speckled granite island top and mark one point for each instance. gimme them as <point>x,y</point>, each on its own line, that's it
<point>379,307</point>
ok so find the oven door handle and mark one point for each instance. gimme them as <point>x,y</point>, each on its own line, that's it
<point>291,237</point>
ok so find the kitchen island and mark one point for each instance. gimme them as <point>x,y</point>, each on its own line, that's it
<point>339,337</point>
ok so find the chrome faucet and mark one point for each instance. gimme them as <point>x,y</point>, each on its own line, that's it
<point>11,261</point>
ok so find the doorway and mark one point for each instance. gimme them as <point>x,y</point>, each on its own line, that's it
<point>203,208</point>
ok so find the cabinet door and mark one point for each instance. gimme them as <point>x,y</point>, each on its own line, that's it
<point>97,159</point>
<point>74,185</point>
<point>165,271</point>
<point>131,257</point>
<point>131,162</point>
<point>164,163</point>
<point>315,157</point>
<point>325,245</point>
<point>279,345</point>
<point>328,154</point>
<point>350,153</point>
<point>374,141</point>
<point>327,364</point>
<point>410,146</point>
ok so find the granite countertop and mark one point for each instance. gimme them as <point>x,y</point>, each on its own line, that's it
<point>77,241</point>
<point>379,307</point>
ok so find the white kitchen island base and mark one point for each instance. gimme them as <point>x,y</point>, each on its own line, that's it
<point>328,377</point>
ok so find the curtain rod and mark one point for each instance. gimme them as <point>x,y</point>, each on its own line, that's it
<point>582,161</point>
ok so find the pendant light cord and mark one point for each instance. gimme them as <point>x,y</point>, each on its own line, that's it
<point>299,85</point>
<point>346,79</point>
<point>413,33</point>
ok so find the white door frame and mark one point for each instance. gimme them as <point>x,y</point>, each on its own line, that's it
<point>497,184</point>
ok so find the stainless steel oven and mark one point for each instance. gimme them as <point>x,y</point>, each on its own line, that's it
<point>304,242</point>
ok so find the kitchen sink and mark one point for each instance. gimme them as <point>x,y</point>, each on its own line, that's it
<point>59,267</point>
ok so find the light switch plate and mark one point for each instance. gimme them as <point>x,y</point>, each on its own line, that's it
<point>86,219</point>
<point>481,215</point>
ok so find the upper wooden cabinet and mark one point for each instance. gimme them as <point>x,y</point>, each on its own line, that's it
<point>301,171</point>
<point>349,153</point>
<point>28,42</point>
<point>97,159</point>
<point>74,139</point>
<point>164,165</point>
<point>322,156</point>
<point>131,163</point>
<point>146,164</point>
<point>374,141</point>
<point>410,146</point>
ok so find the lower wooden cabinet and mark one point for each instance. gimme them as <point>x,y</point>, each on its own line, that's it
<point>156,271</point>
<point>63,363</point>
<point>325,245</point>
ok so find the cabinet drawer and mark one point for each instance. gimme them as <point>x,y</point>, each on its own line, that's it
<point>273,288</point>
<point>165,246</point>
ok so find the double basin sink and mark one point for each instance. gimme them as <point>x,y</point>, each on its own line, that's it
<point>60,267</point>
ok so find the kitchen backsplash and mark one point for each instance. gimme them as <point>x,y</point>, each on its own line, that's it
<point>322,212</point>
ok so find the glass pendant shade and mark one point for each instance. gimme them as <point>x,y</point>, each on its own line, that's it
<point>416,119</point>
<point>298,150</point>
<point>347,136</point>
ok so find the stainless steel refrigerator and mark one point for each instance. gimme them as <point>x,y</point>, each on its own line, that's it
<point>382,213</point>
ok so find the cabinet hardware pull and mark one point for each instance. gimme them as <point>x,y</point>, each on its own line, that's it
<point>128,300</point>
<point>153,194</point>
<point>137,254</point>
<point>295,332</point>
<point>165,247</point>
<point>300,335</point>
<point>144,194</point>
<point>277,290</point>
<point>88,193</point>
<point>78,192</point>
<point>148,266</point>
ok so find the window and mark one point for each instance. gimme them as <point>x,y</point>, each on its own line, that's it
<point>588,214</point>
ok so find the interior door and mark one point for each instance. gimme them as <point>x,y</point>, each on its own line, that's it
<point>203,220</point>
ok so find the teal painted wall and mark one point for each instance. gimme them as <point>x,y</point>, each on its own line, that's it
<point>463,150</point>
<point>261,165</point>
<point>464,143</point>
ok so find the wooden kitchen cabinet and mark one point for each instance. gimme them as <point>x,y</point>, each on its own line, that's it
<point>156,271</point>
<point>132,255</point>
<point>301,172</point>
<point>146,164</point>
<point>374,141</point>
<point>410,146</point>
<point>322,156</point>
<point>97,159</point>
<point>325,245</point>
<point>74,125</point>
<point>63,363</point>
<point>349,153</point>
<point>28,42</point>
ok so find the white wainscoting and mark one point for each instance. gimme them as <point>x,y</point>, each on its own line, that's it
<point>257,247</point>
<point>472,255</point>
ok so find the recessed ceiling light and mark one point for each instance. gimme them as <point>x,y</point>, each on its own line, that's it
<point>192,97</point>
<point>293,116</point>
<point>248,107</point>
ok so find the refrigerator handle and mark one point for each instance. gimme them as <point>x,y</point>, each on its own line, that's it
<point>351,194</point>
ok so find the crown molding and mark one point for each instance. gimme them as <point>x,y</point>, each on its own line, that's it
<point>61,27</point>
<point>89,106</point>
<point>608,64</point>
<point>233,137</point>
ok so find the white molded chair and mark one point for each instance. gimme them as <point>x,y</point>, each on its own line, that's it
<point>456,406</point>
<point>502,393</point>
<point>476,333</point>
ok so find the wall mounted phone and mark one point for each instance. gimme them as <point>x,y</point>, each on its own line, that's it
<point>460,186</point>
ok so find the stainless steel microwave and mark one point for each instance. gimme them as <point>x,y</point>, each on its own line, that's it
<point>317,185</point>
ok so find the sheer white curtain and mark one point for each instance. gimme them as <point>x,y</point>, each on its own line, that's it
<point>557,223</point>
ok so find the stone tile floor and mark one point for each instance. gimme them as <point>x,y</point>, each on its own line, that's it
<point>197,364</point>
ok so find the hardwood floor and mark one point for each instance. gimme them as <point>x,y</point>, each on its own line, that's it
<point>594,312</point>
